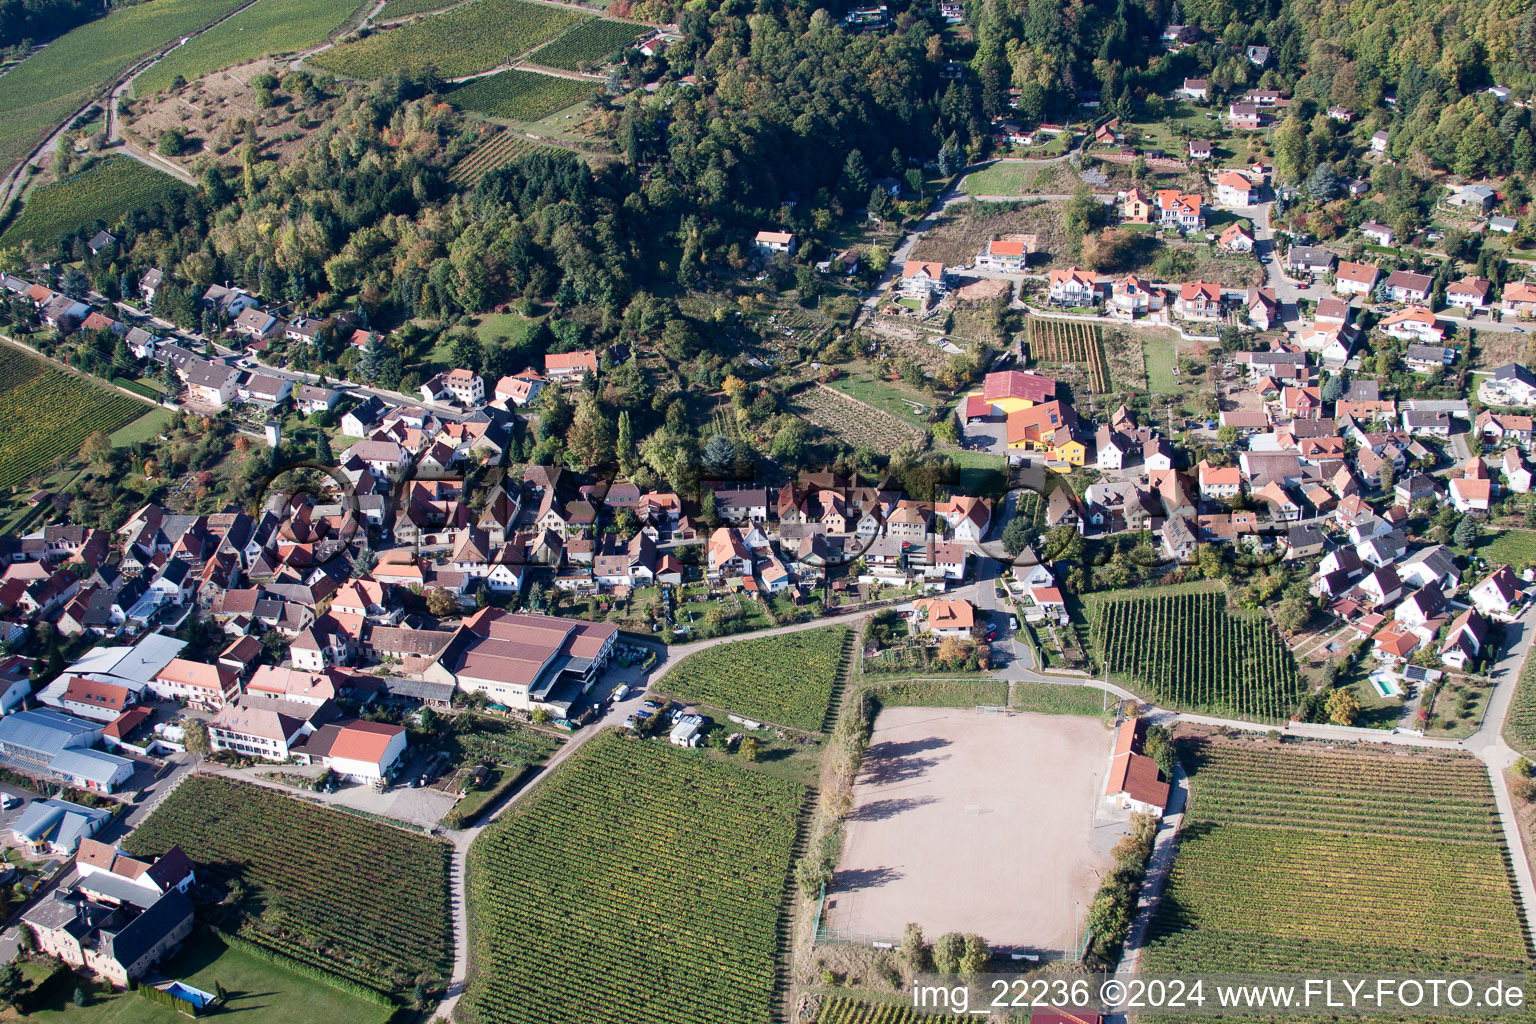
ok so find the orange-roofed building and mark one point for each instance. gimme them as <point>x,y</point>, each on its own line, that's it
<point>944,617</point>
<point>360,751</point>
<point>1135,782</point>
<point>1009,254</point>
<point>570,367</point>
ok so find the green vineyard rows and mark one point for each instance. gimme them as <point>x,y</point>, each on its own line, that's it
<point>520,95</point>
<point>1187,651</point>
<point>787,679</point>
<point>474,37</point>
<point>639,884</point>
<point>1291,861</point>
<point>587,44</point>
<point>50,413</point>
<point>501,149</point>
<point>114,187</point>
<point>348,895</point>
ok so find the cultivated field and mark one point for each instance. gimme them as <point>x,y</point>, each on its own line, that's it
<point>50,413</point>
<point>941,693</point>
<point>105,192</point>
<point>1069,342</point>
<point>520,95</point>
<point>787,679</point>
<point>945,795</point>
<point>268,28</point>
<point>1513,547</point>
<point>497,151</point>
<point>853,421</point>
<point>348,895</point>
<point>640,884</point>
<point>39,93</point>
<point>1188,651</point>
<point>588,44</point>
<point>1355,863</point>
<point>474,37</point>
<point>487,738</point>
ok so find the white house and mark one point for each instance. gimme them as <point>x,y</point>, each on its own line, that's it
<point>1499,596</point>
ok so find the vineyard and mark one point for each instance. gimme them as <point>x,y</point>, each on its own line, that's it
<point>1072,343</point>
<point>1188,651</point>
<point>639,884</point>
<point>1520,723</point>
<point>466,40</point>
<point>520,95</point>
<point>47,88</point>
<point>268,28</point>
<point>847,1011</point>
<point>587,45</point>
<point>105,192</point>
<point>350,896</point>
<point>395,9</point>
<point>1292,861</point>
<point>853,421</point>
<point>498,151</point>
<point>787,679</point>
<point>49,413</point>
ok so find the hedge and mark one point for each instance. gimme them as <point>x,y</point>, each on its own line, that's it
<point>298,967</point>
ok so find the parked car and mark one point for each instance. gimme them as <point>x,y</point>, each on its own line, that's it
<point>8,800</point>
<point>621,691</point>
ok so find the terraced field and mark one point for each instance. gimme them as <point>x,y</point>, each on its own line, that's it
<point>1297,859</point>
<point>112,188</point>
<point>497,151</point>
<point>520,95</point>
<point>665,869</point>
<point>268,28</point>
<point>466,40</point>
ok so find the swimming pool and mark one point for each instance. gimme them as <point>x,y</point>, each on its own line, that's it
<point>196,996</point>
<point>1386,685</point>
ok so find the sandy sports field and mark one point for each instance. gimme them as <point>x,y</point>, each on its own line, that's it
<point>974,822</point>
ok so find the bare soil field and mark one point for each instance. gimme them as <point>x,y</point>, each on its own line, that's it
<point>208,109</point>
<point>966,227</point>
<point>975,822</point>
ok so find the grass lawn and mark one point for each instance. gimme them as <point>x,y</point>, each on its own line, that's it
<point>509,326</point>
<point>1018,179</point>
<point>1513,547</point>
<point>904,402</point>
<point>260,993</point>
<point>1062,699</point>
<point>153,422</point>
<point>1161,354</point>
